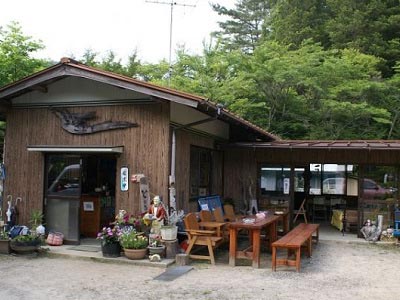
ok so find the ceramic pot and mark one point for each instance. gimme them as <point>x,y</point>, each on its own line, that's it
<point>135,253</point>
<point>111,249</point>
<point>157,250</point>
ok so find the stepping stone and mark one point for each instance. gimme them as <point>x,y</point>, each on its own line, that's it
<point>172,273</point>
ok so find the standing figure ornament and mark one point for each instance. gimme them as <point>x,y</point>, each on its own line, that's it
<point>156,214</point>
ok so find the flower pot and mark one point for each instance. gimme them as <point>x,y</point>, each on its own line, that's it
<point>25,247</point>
<point>5,247</point>
<point>111,249</point>
<point>169,233</point>
<point>135,253</point>
<point>160,250</point>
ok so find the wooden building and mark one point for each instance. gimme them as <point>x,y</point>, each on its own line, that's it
<point>75,136</point>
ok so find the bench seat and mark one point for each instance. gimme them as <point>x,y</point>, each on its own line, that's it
<point>302,234</point>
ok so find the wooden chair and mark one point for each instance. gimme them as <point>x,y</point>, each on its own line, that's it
<point>300,212</point>
<point>198,237</point>
<point>206,216</point>
<point>230,213</point>
<point>219,217</point>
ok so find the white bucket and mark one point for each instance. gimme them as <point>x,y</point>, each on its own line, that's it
<point>169,233</point>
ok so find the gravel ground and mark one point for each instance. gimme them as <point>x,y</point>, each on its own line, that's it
<point>336,271</point>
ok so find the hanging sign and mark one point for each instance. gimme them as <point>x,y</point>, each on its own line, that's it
<point>144,194</point>
<point>286,186</point>
<point>124,179</point>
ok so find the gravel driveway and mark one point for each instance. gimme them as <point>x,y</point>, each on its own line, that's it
<point>336,271</point>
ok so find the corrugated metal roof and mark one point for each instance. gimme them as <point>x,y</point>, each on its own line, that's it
<point>326,144</point>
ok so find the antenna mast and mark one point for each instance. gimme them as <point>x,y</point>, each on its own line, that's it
<point>171,3</point>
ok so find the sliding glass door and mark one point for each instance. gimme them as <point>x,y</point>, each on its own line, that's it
<point>62,195</point>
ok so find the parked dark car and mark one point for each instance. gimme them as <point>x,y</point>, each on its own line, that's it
<point>372,190</point>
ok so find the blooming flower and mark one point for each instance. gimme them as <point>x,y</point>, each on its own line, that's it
<point>109,235</point>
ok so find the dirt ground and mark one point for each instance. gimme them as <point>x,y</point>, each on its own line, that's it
<point>336,271</point>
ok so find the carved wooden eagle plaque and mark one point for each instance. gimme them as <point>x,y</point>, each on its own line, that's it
<point>78,123</point>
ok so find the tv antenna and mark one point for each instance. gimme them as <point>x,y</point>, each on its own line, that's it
<point>171,3</point>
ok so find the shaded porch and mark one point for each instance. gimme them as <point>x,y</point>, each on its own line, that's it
<point>358,176</point>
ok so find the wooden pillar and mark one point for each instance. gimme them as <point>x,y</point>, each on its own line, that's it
<point>291,196</point>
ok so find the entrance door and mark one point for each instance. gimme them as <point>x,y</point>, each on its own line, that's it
<point>62,195</point>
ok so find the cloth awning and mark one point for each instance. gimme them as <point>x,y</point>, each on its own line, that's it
<point>76,149</point>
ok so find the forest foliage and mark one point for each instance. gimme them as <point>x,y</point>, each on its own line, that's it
<point>301,69</point>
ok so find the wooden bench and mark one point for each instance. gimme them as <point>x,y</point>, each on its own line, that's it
<point>302,234</point>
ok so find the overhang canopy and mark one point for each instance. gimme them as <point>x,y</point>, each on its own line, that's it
<point>326,144</point>
<point>76,149</point>
<point>303,152</point>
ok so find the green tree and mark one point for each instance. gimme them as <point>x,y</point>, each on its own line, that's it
<point>89,58</point>
<point>16,52</point>
<point>313,93</point>
<point>372,26</point>
<point>293,21</point>
<point>245,24</point>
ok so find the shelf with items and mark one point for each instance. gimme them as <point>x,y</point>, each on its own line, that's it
<point>274,203</point>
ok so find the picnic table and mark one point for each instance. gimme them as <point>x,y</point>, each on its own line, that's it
<point>254,230</point>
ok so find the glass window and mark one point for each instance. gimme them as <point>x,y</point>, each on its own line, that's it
<point>63,176</point>
<point>334,179</point>
<point>275,179</point>
<point>299,180</point>
<point>200,171</point>
<point>379,193</point>
<point>315,180</point>
<point>352,180</point>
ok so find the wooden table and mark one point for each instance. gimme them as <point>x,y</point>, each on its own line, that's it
<point>284,217</point>
<point>254,229</point>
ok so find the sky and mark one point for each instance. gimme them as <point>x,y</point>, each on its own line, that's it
<point>68,28</point>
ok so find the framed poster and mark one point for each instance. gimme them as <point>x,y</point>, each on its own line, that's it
<point>88,206</point>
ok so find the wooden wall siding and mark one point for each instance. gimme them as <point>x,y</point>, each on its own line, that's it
<point>184,140</point>
<point>240,170</point>
<point>305,156</point>
<point>146,150</point>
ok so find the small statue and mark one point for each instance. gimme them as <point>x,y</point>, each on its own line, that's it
<point>157,210</point>
<point>370,231</point>
<point>155,258</point>
<point>8,212</point>
<point>155,215</point>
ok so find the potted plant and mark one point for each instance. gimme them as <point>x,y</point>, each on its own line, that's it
<point>4,242</point>
<point>169,231</point>
<point>155,246</point>
<point>36,221</point>
<point>29,240</point>
<point>109,237</point>
<point>128,222</point>
<point>26,243</point>
<point>134,245</point>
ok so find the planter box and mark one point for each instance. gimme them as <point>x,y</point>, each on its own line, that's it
<point>25,247</point>
<point>5,247</point>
